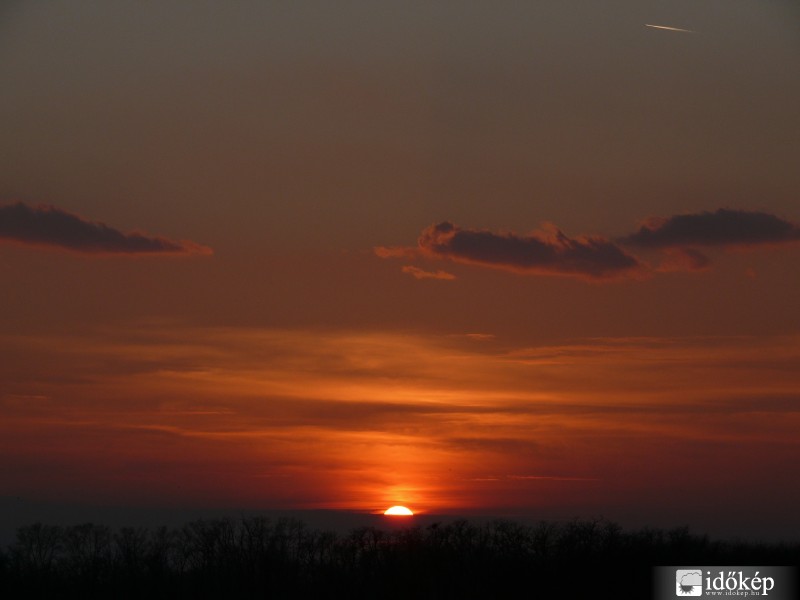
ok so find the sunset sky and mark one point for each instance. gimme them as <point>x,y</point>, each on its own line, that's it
<point>480,258</point>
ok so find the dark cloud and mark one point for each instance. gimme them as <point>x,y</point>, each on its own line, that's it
<point>551,252</point>
<point>724,227</point>
<point>545,253</point>
<point>51,226</point>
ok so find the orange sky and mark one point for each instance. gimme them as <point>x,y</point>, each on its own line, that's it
<point>338,419</point>
<point>496,258</point>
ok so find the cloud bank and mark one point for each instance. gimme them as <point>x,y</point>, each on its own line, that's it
<point>551,252</point>
<point>547,252</point>
<point>316,415</point>
<point>50,226</point>
<point>724,227</point>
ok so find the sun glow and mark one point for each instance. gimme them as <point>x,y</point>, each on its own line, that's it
<point>398,511</point>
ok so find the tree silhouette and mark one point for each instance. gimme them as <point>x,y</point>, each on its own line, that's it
<point>258,558</point>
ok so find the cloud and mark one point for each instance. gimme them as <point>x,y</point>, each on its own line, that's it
<point>50,226</point>
<point>683,259</point>
<point>550,477</point>
<point>551,252</point>
<point>548,252</point>
<point>724,227</point>
<point>480,337</point>
<point>396,252</point>
<point>423,274</point>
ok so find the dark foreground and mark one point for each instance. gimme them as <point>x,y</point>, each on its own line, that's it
<point>259,558</point>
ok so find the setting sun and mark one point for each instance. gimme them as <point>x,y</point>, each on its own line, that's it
<point>398,511</point>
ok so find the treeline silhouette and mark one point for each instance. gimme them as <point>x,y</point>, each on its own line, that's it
<point>260,558</point>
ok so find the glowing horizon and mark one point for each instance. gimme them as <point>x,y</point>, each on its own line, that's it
<point>460,427</point>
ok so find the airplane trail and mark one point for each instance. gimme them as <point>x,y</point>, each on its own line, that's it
<point>665,27</point>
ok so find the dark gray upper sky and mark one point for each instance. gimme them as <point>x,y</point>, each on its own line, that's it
<point>364,121</point>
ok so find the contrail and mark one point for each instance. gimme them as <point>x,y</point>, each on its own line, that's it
<point>669,28</point>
